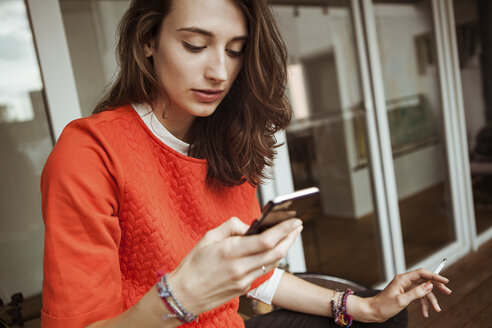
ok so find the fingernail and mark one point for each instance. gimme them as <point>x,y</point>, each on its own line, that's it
<point>428,286</point>
<point>438,308</point>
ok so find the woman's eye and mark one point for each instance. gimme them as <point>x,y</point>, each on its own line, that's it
<point>192,47</point>
<point>233,53</point>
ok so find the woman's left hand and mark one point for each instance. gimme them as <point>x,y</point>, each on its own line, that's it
<point>404,289</point>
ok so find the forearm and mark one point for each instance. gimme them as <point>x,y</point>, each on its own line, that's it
<point>145,313</point>
<point>296,294</point>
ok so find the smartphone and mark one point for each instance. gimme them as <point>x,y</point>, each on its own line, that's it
<point>284,207</point>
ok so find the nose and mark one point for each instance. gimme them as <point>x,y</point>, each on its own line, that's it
<point>216,68</point>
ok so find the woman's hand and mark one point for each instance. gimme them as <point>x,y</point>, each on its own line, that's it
<point>404,289</point>
<point>224,263</point>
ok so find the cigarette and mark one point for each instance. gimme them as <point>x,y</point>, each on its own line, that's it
<point>440,266</point>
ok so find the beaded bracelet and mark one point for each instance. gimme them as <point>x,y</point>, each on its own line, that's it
<point>334,307</point>
<point>167,296</point>
<point>339,309</point>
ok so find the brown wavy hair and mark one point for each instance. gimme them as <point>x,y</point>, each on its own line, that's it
<point>238,139</point>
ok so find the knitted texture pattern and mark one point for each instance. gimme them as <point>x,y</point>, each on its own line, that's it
<point>120,205</point>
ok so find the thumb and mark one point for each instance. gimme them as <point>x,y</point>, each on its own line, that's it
<point>417,292</point>
<point>232,227</point>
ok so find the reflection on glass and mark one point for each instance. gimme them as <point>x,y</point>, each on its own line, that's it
<point>90,27</point>
<point>414,109</point>
<point>472,29</point>
<point>25,142</point>
<point>326,143</point>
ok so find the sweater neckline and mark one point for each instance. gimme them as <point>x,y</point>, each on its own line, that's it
<point>159,130</point>
<point>163,142</point>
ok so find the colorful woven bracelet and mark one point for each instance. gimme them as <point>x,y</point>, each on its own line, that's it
<point>167,296</point>
<point>345,318</point>
<point>339,309</point>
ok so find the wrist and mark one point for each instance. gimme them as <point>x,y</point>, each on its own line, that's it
<point>182,293</point>
<point>361,309</point>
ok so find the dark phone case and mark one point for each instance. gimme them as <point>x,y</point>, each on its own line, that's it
<point>300,205</point>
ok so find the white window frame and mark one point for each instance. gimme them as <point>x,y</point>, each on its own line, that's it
<point>55,64</point>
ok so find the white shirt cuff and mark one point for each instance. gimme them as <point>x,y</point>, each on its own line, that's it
<point>266,290</point>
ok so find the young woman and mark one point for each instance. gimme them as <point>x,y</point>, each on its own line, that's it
<point>156,180</point>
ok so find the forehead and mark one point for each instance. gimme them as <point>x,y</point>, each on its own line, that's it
<point>222,17</point>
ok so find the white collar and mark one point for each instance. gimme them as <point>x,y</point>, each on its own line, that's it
<point>159,130</point>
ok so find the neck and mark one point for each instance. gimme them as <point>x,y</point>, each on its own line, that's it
<point>178,123</point>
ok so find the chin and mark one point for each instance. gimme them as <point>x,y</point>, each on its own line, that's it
<point>204,110</point>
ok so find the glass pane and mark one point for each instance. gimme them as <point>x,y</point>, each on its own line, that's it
<point>415,115</point>
<point>90,27</point>
<point>25,142</point>
<point>475,53</point>
<point>326,142</point>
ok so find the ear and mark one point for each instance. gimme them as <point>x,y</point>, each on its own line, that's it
<point>149,49</point>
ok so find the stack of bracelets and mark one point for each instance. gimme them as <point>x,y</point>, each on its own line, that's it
<point>339,309</point>
<point>177,311</point>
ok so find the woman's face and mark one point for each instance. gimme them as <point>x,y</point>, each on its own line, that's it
<point>199,54</point>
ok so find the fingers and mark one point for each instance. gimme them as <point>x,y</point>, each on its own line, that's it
<point>267,240</point>
<point>443,288</point>
<point>272,257</point>
<point>420,275</point>
<point>432,298</point>
<point>425,304</point>
<point>414,293</point>
<point>243,271</point>
<point>232,227</point>
<point>247,269</point>
<point>425,307</point>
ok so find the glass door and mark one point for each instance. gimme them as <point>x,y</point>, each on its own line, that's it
<point>412,56</point>
<point>327,144</point>
<point>377,129</point>
<point>414,114</point>
<point>472,21</point>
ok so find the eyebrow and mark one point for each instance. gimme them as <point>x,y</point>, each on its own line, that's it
<point>201,31</point>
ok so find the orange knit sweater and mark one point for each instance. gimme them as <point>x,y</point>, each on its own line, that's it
<point>118,205</point>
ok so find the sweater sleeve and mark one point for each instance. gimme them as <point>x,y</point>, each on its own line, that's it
<point>80,188</point>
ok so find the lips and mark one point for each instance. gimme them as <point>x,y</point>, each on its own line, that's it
<point>206,95</point>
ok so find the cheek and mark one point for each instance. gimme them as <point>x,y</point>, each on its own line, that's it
<point>173,73</point>
<point>235,68</point>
